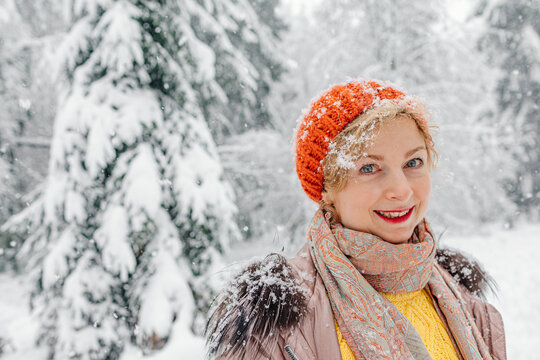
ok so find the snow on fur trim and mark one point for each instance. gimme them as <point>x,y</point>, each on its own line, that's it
<point>467,272</point>
<point>262,301</point>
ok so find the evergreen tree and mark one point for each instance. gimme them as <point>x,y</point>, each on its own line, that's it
<point>135,211</point>
<point>267,10</point>
<point>27,99</point>
<point>12,183</point>
<point>5,127</point>
<point>267,193</point>
<point>512,41</point>
<point>240,62</point>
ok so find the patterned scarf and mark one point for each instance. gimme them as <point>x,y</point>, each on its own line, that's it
<point>356,266</point>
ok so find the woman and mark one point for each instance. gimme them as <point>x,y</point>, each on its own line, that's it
<point>370,282</point>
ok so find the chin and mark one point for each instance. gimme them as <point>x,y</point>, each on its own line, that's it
<point>400,238</point>
<point>396,241</point>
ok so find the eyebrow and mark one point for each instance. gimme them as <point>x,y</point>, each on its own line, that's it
<point>409,153</point>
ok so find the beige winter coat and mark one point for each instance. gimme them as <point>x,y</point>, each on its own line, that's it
<point>276,307</point>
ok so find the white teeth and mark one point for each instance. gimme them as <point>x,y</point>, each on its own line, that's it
<point>392,215</point>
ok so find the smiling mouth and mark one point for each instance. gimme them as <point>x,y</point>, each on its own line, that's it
<point>396,216</point>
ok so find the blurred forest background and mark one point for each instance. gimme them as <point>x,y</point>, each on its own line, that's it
<point>140,140</point>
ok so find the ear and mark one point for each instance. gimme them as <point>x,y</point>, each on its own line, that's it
<point>327,197</point>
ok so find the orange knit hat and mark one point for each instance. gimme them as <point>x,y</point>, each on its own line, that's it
<point>329,114</point>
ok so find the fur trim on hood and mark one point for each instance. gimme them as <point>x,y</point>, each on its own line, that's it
<point>262,301</point>
<point>466,271</point>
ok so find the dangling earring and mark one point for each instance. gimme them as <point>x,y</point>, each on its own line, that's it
<point>327,215</point>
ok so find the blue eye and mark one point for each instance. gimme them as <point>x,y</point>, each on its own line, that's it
<point>414,163</point>
<point>368,169</point>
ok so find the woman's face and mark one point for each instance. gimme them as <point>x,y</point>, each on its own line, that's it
<point>387,192</point>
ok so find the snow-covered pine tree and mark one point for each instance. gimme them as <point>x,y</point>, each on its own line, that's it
<point>5,129</point>
<point>135,210</point>
<point>13,106</point>
<point>243,63</point>
<point>260,163</point>
<point>27,100</point>
<point>512,41</point>
<point>267,11</point>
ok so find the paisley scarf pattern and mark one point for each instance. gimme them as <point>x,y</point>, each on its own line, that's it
<point>356,266</point>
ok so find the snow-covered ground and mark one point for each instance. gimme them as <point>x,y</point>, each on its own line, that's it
<point>18,328</point>
<point>511,256</point>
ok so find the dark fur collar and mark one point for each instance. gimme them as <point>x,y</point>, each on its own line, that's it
<point>467,272</point>
<point>261,301</point>
<point>266,298</point>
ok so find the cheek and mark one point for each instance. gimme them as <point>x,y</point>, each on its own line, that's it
<point>355,197</point>
<point>364,198</point>
<point>423,188</point>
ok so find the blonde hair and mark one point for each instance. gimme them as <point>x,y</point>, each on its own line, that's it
<point>354,140</point>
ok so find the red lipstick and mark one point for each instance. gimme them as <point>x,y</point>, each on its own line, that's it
<point>395,220</point>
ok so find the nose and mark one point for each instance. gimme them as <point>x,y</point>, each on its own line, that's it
<point>398,187</point>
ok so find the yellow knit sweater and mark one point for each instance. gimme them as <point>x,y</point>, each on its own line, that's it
<point>418,307</point>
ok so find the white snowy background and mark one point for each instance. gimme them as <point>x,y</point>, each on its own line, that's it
<point>195,157</point>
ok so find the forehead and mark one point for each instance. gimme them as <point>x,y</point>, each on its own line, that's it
<point>389,133</point>
<point>396,133</point>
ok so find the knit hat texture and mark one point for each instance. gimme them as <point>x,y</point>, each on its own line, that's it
<point>328,115</point>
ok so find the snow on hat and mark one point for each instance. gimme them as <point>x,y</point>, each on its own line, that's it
<point>327,117</point>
